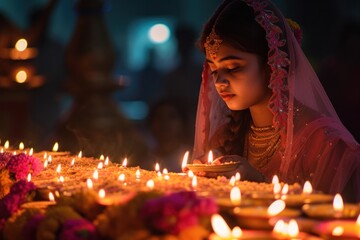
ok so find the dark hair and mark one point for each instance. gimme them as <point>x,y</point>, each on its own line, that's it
<point>234,21</point>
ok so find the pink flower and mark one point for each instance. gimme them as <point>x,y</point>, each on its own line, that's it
<point>77,229</point>
<point>21,164</point>
<point>177,211</point>
<point>4,159</point>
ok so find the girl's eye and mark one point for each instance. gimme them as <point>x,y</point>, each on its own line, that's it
<point>234,69</point>
<point>213,72</point>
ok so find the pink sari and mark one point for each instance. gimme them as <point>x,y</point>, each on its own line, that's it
<point>315,144</point>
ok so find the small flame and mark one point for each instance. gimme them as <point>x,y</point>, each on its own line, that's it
<point>58,169</point>
<point>165,171</point>
<point>73,162</point>
<point>96,175</point>
<point>157,167</point>
<point>51,197</point>
<point>80,154</point>
<point>280,227</point>
<point>275,179</point>
<point>7,144</point>
<point>277,188</point>
<point>14,153</point>
<point>29,177</point>
<point>137,174</point>
<point>49,159</point>
<point>236,232</point>
<point>190,174</point>
<point>89,183</point>
<point>285,189</point>
<point>307,189</point>
<point>210,157</point>
<point>338,203</point>
<point>102,193</point>
<point>159,174</point>
<point>358,220</point>
<point>55,147</point>
<point>124,162</point>
<point>338,231</point>
<point>107,160</point>
<point>276,207</point>
<point>237,176</point>
<point>61,179</point>
<point>45,163</point>
<point>121,177</point>
<point>45,155</point>
<point>100,165</point>
<point>194,182</point>
<point>220,226</point>
<point>235,196</point>
<point>21,146</point>
<point>166,177</point>
<point>293,228</point>
<point>150,184</point>
<point>101,157</point>
<point>21,44</point>
<point>31,152</point>
<point>185,160</point>
<point>232,181</point>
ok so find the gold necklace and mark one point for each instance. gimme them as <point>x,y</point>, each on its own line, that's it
<point>263,142</point>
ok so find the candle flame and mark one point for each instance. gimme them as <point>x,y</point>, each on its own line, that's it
<point>185,160</point>
<point>31,151</point>
<point>235,196</point>
<point>102,157</point>
<point>165,171</point>
<point>61,179</point>
<point>21,44</point>
<point>96,174</point>
<point>107,160</point>
<point>29,177</point>
<point>275,179</point>
<point>45,155</point>
<point>285,189</point>
<point>277,188</point>
<point>190,174</point>
<point>45,163</point>
<point>220,227</point>
<point>280,227</point>
<point>51,197</point>
<point>100,165</point>
<point>358,220</point>
<point>237,176</point>
<point>137,174</point>
<point>157,167</point>
<point>338,203</point>
<point>338,231</point>
<point>159,174</point>
<point>121,177</point>
<point>194,182</point>
<point>236,232</point>
<point>21,146</point>
<point>7,144</point>
<point>89,183</point>
<point>307,189</point>
<point>210,157</point>
<point>73,162</point>
<point>49,159</point>
<point>124,162</point>
<point>80,154</point>
<point>21,76</point>
<point>58,169</point>
<point>167,177</point>
<point>293,228</point>
<point>150,184</point>
<point>102,193</point>
<point>276,207</point>
<point>55,147</point>
<point>232,181</point>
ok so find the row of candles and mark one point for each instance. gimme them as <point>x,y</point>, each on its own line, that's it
<point>222,231</point>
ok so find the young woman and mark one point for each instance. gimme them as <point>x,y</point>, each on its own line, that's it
<point>262,105</point>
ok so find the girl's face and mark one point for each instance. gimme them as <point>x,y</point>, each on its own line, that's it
<point>240,78</point>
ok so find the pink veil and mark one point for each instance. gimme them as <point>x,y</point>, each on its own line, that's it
<point>317,147</point>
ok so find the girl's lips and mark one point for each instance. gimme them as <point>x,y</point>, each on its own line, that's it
<point>226,96</point>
